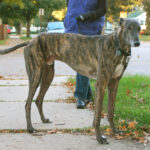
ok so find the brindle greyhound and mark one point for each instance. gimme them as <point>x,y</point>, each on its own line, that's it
<point>101,57</point>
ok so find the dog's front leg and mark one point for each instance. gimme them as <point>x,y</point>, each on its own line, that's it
<point>100,91</point>
<point>112,92</point>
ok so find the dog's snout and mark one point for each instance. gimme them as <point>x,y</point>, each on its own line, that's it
<point>137,43</point>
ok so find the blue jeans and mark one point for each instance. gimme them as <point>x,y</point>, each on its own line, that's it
<point>83,90</point>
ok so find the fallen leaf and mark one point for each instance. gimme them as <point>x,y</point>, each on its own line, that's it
<point>141,100</point>
<point>108,130</point>
<point>1,77</point>
<point>103,114</point>
<point>128,91</point>
<point>52,131</point>
<point>136,96</point>
<point>141,139</point>
<point>92,130</point>
<point>128,134</point>
<point>119,137</point>
<point>123,127</point>
<point>136,133</point>
<point>132,125</point>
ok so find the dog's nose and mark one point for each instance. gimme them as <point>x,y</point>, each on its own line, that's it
<point>136,44</point>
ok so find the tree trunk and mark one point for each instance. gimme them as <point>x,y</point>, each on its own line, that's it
<point>28,28</point>
<point>4,20</point>
<point>147,9</point>
<point>148,21</point>
<point>18,28</point>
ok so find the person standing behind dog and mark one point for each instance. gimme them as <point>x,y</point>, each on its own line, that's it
<point>85,17</point>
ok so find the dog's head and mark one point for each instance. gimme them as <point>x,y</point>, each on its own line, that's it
<point>130,31</point>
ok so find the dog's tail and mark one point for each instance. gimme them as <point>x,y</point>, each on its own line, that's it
<point>8,50</point>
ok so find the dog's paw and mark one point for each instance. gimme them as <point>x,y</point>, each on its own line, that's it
<point>31,130</point>
<point>102,140</point>
<point>46,121</point>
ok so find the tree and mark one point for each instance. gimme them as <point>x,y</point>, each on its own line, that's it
<point>115,6</point>
<point>26,10</point>
<point>30,9</point>
<point>146,4</point>
<point>11,2</point>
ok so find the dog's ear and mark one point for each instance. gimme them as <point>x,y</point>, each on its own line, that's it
<point>121,22</point>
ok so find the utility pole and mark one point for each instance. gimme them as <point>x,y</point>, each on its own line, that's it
<point>41,14</point>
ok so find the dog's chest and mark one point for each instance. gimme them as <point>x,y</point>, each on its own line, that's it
<point>119,69</point>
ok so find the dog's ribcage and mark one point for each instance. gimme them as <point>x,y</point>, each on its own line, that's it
<point>79,53</point>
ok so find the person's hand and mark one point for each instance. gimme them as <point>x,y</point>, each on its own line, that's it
<point>84,17</point>
<point>80,18</point>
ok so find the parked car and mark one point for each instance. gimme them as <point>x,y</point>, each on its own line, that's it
<point>8,29</point>
<point>108,30</point>
<point>55,27</point>
<point>34,28</point>
<point>13,30</point>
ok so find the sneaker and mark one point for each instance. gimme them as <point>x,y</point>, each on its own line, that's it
<point>80,104</point>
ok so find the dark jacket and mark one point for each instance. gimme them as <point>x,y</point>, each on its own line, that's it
<point>93,12</point>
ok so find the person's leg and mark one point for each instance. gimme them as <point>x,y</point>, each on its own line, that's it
<point>89,95</point>
<point>83,90</point>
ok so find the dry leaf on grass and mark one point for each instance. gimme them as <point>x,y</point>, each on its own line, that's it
<point>128,92</point>
<point>108,130</point>
<point>132,125</point>
<point>141,100</point>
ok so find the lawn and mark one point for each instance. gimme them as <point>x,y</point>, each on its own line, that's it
<point>132,102</point>
<point>25,38</point>
<point>2,42</point>
<point>145,38</point>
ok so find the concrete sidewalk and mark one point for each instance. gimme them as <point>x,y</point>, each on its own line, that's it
<point>18,90</point>
<point>63,141</point>
<point>64,115</point>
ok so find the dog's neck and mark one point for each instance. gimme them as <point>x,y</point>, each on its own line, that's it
<point>122,49</point>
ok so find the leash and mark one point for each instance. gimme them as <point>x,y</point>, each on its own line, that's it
<point>79,29</point>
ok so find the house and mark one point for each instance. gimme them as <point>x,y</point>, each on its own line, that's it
<point>140,16</point>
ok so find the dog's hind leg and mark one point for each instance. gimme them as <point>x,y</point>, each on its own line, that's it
<point>34,75</point>
<point>46,79</point>
<point>33,85</point>
<point>112,92</point>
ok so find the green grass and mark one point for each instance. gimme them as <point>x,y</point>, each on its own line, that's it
<point>145,38</point>
<point>2,42</point>
<point>128,105</point>
<point>133,100</point>
<point>25,38</point>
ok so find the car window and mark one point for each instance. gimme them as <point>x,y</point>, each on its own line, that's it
<point>55,25</point>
